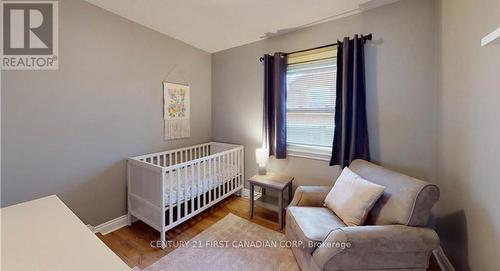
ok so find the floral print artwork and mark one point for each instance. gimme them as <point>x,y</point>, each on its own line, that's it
<point>176,101</point>
<point>177,106</point>
<point>176,111</point>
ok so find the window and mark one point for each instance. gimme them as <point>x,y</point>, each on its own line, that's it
<point>311,81</point>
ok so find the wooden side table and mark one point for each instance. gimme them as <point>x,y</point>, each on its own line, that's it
<point>275,182</point>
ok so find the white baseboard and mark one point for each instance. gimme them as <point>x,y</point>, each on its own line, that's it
<point>122,221</point>
<point>110,226</point>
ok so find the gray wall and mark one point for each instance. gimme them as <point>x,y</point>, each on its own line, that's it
<point>67,132</point>
<point>401,70</point>
<point>469,146</point>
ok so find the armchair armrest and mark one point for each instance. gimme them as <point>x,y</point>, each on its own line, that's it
<point>384,238</point>
<point>310,196</point>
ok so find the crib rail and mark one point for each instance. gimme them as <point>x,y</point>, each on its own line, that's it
<point>186,182</point>
<point>172,157</point>
<point>183,155</point>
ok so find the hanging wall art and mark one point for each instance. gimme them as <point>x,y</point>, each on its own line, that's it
<point>176,110</point>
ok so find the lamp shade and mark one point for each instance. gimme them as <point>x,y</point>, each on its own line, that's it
<point>261,156</point>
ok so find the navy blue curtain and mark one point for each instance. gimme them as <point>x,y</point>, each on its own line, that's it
<point>274,129</point>
<point>350,140</point>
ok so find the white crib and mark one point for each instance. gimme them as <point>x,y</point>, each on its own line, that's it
<point>167,188</point>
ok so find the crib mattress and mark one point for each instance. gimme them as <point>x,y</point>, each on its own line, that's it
<point>197,183</point>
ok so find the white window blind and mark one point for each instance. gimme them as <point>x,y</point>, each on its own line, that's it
<point>311,97</point>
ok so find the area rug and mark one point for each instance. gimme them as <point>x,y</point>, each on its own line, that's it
<point>233,243</point>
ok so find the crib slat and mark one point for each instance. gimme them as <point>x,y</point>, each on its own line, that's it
<point>217,177</point>
<point>185,181</point>
<point>223,173</point>
<point>229,172</point>
<point>206,180</point>
<point>171,210</point>
<point>199,188</point>
<point>178,193</point>
<point>226,173</point>
<point>232,186</point>
<point>219,167</point>
<point>193,189</point>
<point>210,180</point>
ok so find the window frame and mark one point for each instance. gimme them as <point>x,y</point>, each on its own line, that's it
<point>308,151</point>
<point>303,150</point>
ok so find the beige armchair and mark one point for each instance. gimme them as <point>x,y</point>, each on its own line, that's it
<point>393,238</point>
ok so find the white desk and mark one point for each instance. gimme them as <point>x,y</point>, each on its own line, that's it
<point>44,235</point>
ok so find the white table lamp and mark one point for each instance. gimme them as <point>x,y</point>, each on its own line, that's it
<point>261,158</point>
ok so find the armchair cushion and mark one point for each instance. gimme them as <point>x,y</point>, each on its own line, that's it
<point>312,225</point>
<point>387,245</point>
<point>406,200</point>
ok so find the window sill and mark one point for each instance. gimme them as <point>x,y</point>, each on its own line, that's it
<point>309,152</point>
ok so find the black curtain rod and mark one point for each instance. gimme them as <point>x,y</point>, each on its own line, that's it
<point>367,37</point>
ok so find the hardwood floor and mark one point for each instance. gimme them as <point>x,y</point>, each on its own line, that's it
<point>133,244</point>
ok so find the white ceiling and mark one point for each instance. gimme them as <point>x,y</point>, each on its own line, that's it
<point>215,25</point>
